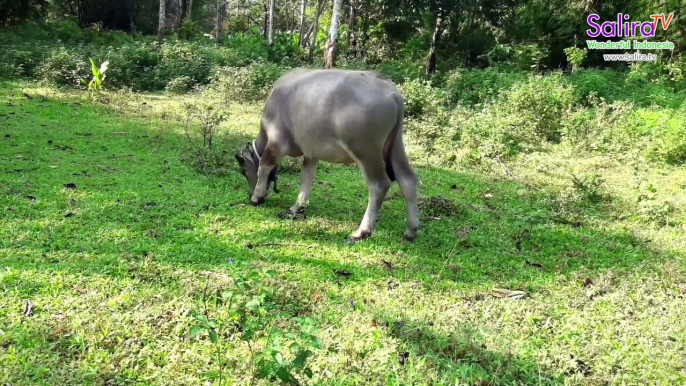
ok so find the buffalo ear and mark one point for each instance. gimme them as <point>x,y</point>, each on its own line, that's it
<point>240,159</point>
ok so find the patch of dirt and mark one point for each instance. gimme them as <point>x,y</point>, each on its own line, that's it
<point>437,207</point>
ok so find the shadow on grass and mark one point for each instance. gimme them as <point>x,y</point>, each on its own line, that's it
<point>463,353</point>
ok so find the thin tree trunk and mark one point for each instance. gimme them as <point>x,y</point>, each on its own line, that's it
<point>221,17</point>
<point>161,20</point>
<point>431,61</point>
<point>301,31</point>
<point>266,21</point>
<point>271,22</point>
<point>190,8</point>
<point>315,29</point>
<point>332,41</point>
<point>465,56</point>
<point>351,30</point>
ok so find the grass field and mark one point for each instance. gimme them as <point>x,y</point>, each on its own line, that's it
<point>110,244</point>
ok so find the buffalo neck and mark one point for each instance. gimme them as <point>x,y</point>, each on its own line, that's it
<point>260,143</point>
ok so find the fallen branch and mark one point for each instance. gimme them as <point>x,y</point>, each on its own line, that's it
<point>505,168</point>
<point>251,245</point>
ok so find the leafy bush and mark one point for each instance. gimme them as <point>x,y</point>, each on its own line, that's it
<point>590,187</point>
<point>421,98</point>
<point>134,65</point>
<point>253,82</point>
<point>593,83</point>
<point>251,313</point>
<point>205,146</point>
<point>541,102</point>
<point>667,137</point>
<point>478,86</point>
<point>64,67</point>
<point>181,59</point>
<point>608,127</point>
<point>179,84</point>
<point>20,60</point>
<point>575,56</point>
<point>399,71</point>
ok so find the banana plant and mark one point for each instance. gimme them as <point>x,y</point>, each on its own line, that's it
<point>98,76</point>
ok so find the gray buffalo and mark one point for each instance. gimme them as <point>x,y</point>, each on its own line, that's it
<point>337,116</point>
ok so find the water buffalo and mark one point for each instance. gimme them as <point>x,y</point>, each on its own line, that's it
<point>337,116</point>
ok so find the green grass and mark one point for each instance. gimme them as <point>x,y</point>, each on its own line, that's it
<point>115,283</point>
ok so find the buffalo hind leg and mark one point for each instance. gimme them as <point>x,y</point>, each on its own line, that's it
<point>378,183</point>
<point>408,181</point>
<point>270,159</point>
<point>307,174</point>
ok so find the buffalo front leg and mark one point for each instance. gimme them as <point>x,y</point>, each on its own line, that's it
<point>269,160</point>
<point>378,184</point>
<point>307,174</point>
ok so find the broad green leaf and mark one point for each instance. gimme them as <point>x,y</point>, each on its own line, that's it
<point>284,375</point>
<point>94,69</point>
<point>299,360</point>
<point>316,342</point>
<point>308,372</point>
<point>254,303</point>
<point>213,335</point>
<point>195,330</point>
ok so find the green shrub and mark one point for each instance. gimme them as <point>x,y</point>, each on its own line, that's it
<point>134,65</point>
<point>399,71</point>
<point>587,83</point>
<point>246,83</point>
<point>525,118</point>
<point>64,67</point>
<point>20,60</point>
<point>541,102</point>
<point>667,136</point>
<point>607,127</point>
<point>575,56</point>
<point>478,86</point>
<point>181,59</point>
<point>421,98</point>
<point>179,84</point>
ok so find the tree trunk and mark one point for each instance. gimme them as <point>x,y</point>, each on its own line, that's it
<point>271,22</point>
<point>315,29</point>
<point>351,29</point>
<point>364,36</point>
<point>431,61</point>
<point>266,21</point>
<point>332,41</point>
<point>301,31</point>
<point>162,20</point>
<point>221,17</point>
<point>465,56</point>
<point>189,9</point>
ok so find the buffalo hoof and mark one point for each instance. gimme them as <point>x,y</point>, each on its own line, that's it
<point>260,201</point>
<point>352,239</point>
<point>288,214</point>
<point>410,237</point>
